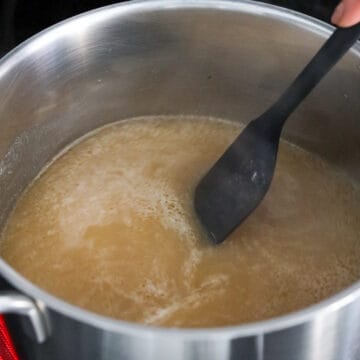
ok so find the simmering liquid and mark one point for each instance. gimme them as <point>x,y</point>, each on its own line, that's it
<point>109,226</point>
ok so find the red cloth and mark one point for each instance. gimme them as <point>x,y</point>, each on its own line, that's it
<point>7,349</point>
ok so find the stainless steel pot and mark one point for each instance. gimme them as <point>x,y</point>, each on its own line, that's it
<point>221,58</point>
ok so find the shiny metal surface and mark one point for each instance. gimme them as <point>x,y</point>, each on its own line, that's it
<point>14,303</point>
<point>176,57</point>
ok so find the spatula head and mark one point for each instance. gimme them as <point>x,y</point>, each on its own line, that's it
<point>237,182</point>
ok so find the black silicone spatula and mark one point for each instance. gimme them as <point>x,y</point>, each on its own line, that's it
<point>239,180</point>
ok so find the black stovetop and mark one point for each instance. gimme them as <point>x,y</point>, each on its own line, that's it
<point>19,19</point>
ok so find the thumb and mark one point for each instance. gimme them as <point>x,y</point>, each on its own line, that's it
<point>347,13</point>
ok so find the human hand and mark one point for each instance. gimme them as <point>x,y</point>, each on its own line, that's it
<point>347,13</point>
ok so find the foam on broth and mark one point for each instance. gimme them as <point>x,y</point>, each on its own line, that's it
<point>109,226</point>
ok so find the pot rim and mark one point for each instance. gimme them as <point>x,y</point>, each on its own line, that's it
<point>323,308</point>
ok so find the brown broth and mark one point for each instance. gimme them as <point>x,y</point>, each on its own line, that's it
<point>109,226</point>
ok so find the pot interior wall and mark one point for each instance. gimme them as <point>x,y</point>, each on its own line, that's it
<point>231,63</point>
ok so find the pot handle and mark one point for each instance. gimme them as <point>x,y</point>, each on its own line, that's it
<point>12,302</point>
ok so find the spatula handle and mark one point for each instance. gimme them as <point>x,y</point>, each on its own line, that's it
<point>331,52</point>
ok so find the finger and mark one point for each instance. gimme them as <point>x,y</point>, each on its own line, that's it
<point>347,13</point>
